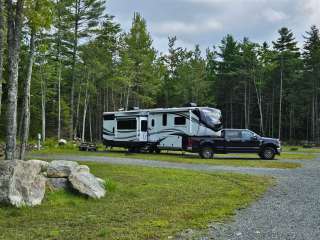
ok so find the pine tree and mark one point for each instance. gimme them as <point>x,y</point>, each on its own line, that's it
<point>288,65</point>
<point>312,76</point>
<point>138,59</point>
<point>86,17</point>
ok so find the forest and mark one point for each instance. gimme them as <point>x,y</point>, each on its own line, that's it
<point>65,62</point>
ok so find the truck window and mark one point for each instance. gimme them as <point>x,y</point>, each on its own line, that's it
<point>164,119</point>
<point>246,135</point>
<point>233,134</point>
<point>127,124</point>
<point>179,121</point>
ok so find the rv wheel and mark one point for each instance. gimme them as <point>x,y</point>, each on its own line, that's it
<point>206,153</point>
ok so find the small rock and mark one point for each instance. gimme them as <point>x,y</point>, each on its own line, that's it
<point>61,168</point>
<point>87,184</point>
<point>57,183</point>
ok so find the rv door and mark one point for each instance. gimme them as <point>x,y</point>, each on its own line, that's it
<point>143,129</point>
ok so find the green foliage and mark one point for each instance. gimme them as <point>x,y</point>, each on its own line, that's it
<point>78,42</point>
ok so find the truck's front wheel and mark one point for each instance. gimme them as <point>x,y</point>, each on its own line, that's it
<point>206,152</point>
<point>267,153</point>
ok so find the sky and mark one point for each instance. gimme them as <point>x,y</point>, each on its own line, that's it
<point>206,22</point>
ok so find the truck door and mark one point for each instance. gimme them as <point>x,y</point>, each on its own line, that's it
<point>250,142</point>
<point>233,141</point>
<point>143,129</point>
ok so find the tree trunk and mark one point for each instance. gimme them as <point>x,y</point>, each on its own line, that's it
<point>59,99</point>
<point>26,99</point>
<point>1,48</point>
<point>280,100</point>
<point>43,105</point>
<point>259,101</point>
<point>84,114</point>
<point>74,58</point>
<point>76,125</point>
<point>14,33</point>
<point>245,105</point>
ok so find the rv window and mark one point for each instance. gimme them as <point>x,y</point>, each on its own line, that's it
<point>127,124</point>
<point>152,123</point>
<point>108,117</point>
<point>179,121</point>
<point>164,119</point>
<point>144,125</point>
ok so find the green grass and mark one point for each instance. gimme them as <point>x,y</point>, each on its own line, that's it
<point>301,149</point>
<point>142,203</point>
<point>240,160</point>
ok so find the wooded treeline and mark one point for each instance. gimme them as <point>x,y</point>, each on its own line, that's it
<point>67,61</point>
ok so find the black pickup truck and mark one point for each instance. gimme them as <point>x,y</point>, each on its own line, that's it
<point>233,141</point>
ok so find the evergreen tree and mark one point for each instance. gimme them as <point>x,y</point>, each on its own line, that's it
<point>312,77</point>
<point>86,16</point>
<point>138,59</point>
<point>288,60</point>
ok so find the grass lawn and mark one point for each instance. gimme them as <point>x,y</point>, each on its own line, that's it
<point>301,149</point>
<point>142,203</point>
<point>240,160</point>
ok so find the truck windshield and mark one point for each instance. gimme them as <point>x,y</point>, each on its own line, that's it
<point>212,118</point>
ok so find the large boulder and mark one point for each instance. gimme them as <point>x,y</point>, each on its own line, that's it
<point>83,168</point>
<point>87,184</point>
<point>60,168</point>
<point>21,183</point>
<point>43,164</point>
<point>57,183</point>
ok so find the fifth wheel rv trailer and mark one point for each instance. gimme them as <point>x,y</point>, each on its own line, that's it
<point>161,128</point>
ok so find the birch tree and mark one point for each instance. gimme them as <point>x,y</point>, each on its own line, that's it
<point>14,22</point>
<point>38,13</point>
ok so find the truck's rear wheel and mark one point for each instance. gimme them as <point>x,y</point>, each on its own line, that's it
<point>267,153</point>
<point>206,152</point>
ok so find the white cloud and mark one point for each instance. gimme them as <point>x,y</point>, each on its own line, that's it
<point>311,8</point>
<point>272,15</point>
<point>179,27</point>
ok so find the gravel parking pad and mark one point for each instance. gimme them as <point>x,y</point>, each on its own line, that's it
<point>288,211</point>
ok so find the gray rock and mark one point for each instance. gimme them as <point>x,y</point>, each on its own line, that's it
<point>60,168</point>
<point>57,183</point>
<point>101,181</point>
<point>83,168</point>
<point>87,184</point>
<point>43,164</point>
<point>21,183</point>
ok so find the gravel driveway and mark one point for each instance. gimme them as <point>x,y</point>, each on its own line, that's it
<point>288,211</point>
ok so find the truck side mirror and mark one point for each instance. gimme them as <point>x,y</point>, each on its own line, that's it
<point>254,137</point>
